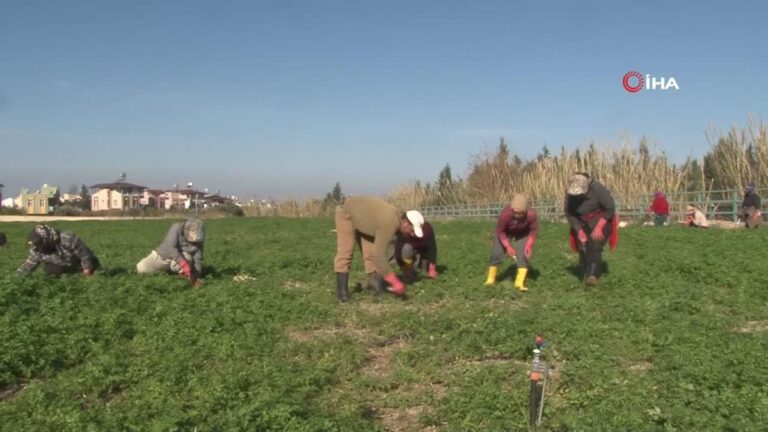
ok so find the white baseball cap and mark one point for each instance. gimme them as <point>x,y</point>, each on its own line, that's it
<point>417,220</point>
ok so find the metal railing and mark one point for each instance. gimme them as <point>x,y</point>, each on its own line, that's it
<point>716,205</point>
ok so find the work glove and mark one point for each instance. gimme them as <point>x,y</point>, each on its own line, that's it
<point>432,273</point>
<point>398,288</point>
<point>186,270</point>
<point>529,247</point>
<point>582,236</point>
<point>87,272</point>
<point>597,232</point>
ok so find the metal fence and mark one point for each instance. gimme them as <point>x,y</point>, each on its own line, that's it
<point>716,205</point>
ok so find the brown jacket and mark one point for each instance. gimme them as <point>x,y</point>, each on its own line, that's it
<point>375,218</point>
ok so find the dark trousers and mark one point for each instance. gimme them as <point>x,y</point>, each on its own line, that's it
<point>58,270</point>
<point>591,253</point>
<point>498,253</point>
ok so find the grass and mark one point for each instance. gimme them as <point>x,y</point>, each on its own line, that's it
<point>674,338</point>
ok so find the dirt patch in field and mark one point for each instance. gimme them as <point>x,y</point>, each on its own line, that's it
<point>380,357</point>
<point>500,305</point>
<point>293,284</point>
<point>640,366</point>
<point>378,309</point>
<point>12,390</point>
<point>725,224</point>
<point>752,327</point>
<point>492,359</point>
<point>326,333</point>
<point>407,419</point>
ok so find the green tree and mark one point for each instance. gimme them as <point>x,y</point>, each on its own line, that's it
<point>85,198</point>
<point>332,199</point>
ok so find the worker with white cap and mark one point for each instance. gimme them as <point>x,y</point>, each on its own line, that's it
<point>417,252</point>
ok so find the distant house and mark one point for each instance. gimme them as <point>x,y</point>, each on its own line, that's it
<point>69,198</point>
<point>118,195</point>
<point>42,202</point>
<point>216,200</point>
<point>183,199</point>
<point>152,198</point>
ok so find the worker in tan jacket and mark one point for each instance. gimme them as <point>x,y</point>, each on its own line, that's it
<point>371,223</point>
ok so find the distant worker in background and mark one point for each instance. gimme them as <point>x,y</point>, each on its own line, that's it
<point>751,212</point>
<point>181,252</point>
<point>659,209</point>
<point>59,252</point>
<point>591,213</point>
<point>371,223</point>
<point>413,252</point>
<point>695,218</point>
<point>515,235</point>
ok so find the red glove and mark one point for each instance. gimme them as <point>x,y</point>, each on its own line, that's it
<point>397,286</point>
<point>87,272</point>
<point>432,273</point>
<point>582,236</point>
<point>597,232</point>
<point>529,247</point>
<point>186,270</point>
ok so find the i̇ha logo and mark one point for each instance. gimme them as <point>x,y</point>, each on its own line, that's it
<point>634,81</point>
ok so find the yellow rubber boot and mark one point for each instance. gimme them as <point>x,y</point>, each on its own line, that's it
<point>492,270</point>
<point>520,279</point>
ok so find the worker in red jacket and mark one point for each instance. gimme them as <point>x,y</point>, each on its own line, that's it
<point>659,208</point>
<point>515,235</point>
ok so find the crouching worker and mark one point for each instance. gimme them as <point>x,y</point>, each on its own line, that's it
<point>695,218</point>
<point>750,208</point>
<point>591,213</point>
<point>180,252</point>
<point>413,252</point>
<point>371,223</point>
<point>59,252</point>
<point>515,236</point>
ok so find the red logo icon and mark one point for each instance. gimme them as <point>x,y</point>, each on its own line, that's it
<point>627,81</point>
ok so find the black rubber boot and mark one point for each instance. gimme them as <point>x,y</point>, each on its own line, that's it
<point>342,288</point>
<point>591,275</point>
<point>376,282</point>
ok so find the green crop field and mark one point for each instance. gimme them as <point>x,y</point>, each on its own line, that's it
<point>674,338</point>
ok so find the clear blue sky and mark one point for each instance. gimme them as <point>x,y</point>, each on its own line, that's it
<point>284,97</point>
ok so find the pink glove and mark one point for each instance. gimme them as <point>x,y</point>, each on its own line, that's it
<point>432,273</point>
<point>186,270</point>
<point>582,236</point>
<point>529,248</point>
<point>397,286</point>
<point>597,233</point>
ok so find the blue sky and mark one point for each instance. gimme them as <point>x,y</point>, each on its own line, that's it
<point>284,98</point>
